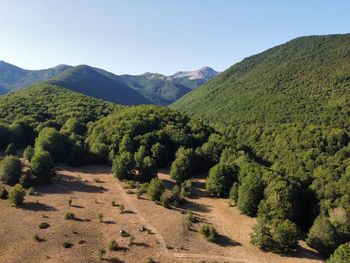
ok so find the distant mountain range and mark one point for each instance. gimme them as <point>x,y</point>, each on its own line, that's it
<point>148,88</point>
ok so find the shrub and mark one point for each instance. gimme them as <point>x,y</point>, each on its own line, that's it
<point>190,219</point>
<point>67,244</point>
<point>234,192</point>
<point>37,238</point>
<point>155,189</point>
<point>16,195</point>
<point>10,149</point>
<point>124,233</point>
<point>28,153</point>
<point>164,200</point>
<point>209,233</point>
<point>101,253</point>
<point>113,245</point>
<point>31,191</point>
<point>41,167</point>
<point>44,225</point>
<point>70,202</point>
<point>10,170</point>
<point>341,254</point>
<point>3,193</point>
<point>150,260</point>
<point>69,216</point>
<point>121,208</point>
<point>100,217</point>
<point>26,180</point>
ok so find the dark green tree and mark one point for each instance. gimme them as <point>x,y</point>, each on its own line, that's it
<point>50,140</point>
<point>155,189</point>
<point>123,165</point>
<point>41,167</point>
<point>220,179</point>
<point>10,170</point>
<point>160,154</point>
<point>16,195</point>
<point>250,194</point>
<point>323,236</point>
<point>10,149</point>
<point>341,254</point>
<point>181,168</point>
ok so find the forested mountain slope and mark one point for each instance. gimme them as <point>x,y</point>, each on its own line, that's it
<point>13,78</point>
<point>305,80</point>
<point>99,84</point>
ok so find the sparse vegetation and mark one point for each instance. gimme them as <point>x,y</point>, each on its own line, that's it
<point>67,244</point>
<point>209,233</point>
<point>100,217</point>
<point>44,225</point>
<point>113,245</point>
<point>101,253</point>
<point>69,216</point>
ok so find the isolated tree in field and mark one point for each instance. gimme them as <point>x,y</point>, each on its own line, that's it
<point>323,236</point>
<point>285,236</point>
<point>51,141</point>
<point>160,154</point>
<point>16,195</point>
<point>341,254</point>
<point>41,167</point>
<point>28,153</point>
<point>10,170</point>
<point>250,194</point>
<point>220,179</point>
<point>10,149</point>
<point>123,165</point>
<point>155,189</point>
<point>181,168</point>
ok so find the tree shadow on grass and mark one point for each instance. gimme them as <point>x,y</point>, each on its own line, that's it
<point>34,206</point>
<point>225,241</point>
<point>113,260</point>
<point>304,253</point>
<point>140,244</point>
<point>68,184</point>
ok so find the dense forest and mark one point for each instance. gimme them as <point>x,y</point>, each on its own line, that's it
<point>271,132</point>
<point>289,107</point>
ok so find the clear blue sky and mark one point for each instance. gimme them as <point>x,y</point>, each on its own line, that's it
<point>165,36</point>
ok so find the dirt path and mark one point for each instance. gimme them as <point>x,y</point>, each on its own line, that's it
<point>128,200</point>
<point>223,216</point>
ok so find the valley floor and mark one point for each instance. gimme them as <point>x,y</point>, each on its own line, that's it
<point>167,241</point>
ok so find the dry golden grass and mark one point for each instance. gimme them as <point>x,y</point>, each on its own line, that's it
<point>168,240</point>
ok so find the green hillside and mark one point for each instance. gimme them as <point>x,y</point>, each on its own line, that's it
<point>99,84</point>
<point>289,106</point>
<point>305,80</point>
<point>13,78</point>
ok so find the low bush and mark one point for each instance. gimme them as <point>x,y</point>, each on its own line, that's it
<point>69,216</point>
<point>67,244</point>
<point>16,195</point>
<point>3,193</point>
<point>209,233</point>
<point>44,225</point>
<point>113,245</point>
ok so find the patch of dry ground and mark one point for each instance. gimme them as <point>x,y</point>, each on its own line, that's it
<point>170,241</point>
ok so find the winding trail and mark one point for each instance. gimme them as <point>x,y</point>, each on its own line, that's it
<point>161,240</point>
